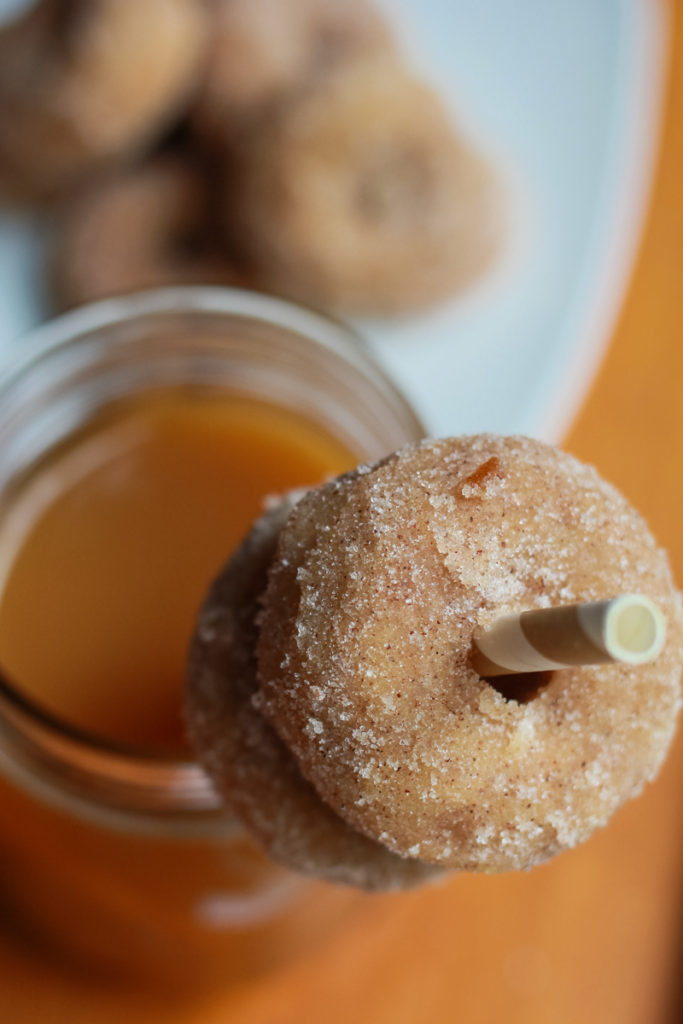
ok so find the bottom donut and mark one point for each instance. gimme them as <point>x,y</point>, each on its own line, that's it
<point>255,772</point>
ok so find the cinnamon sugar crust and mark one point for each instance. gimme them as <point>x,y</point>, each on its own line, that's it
<point>359,194</point>
<point>86,83</point>
<point>380,580</point>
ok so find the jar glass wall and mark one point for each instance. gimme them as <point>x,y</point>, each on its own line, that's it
<point>118,856</point>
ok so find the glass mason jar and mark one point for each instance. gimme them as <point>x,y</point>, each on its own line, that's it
<point>118,859</point>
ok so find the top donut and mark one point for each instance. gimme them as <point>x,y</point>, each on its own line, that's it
<point>381,579</point>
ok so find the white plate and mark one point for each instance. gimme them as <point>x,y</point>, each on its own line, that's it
<point>565,96</point>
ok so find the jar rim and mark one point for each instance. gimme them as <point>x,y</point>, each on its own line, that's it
<point>325,329</point>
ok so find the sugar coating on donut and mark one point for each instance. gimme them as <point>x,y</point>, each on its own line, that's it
<point>147,227</point>
<point>253,769</point>
<point>381,580</point>
<point>82,83</point>
<point>262,50</point>
<point>360,194</point>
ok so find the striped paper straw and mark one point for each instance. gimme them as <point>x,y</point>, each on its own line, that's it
<point>629,629</point>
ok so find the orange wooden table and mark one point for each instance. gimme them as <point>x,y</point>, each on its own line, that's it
<point>595,937</point>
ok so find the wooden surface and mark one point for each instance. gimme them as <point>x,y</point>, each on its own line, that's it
<point>595,937</point>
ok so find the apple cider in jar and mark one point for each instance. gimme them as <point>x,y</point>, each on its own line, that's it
<point>110,546</point>
<point>138,440</point>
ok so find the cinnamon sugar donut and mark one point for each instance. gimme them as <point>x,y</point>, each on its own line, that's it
<point>83,81</point>
<point>241,751</point>
<point>145,228</point>
<point>381,579</point>
<point>262,50</point>
<point>358,195</point>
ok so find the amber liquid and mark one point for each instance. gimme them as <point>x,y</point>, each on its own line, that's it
<point>110,547</point>
<point>106,553</point>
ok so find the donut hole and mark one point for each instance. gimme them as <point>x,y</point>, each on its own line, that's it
<point>189,243</point>
<point>521,687</point>
<point>394,182</point>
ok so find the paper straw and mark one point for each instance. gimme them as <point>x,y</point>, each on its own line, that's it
<point>629,629</point>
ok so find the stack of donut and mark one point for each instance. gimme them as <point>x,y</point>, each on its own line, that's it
<point>305,158</point>
<point>331,693</point>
